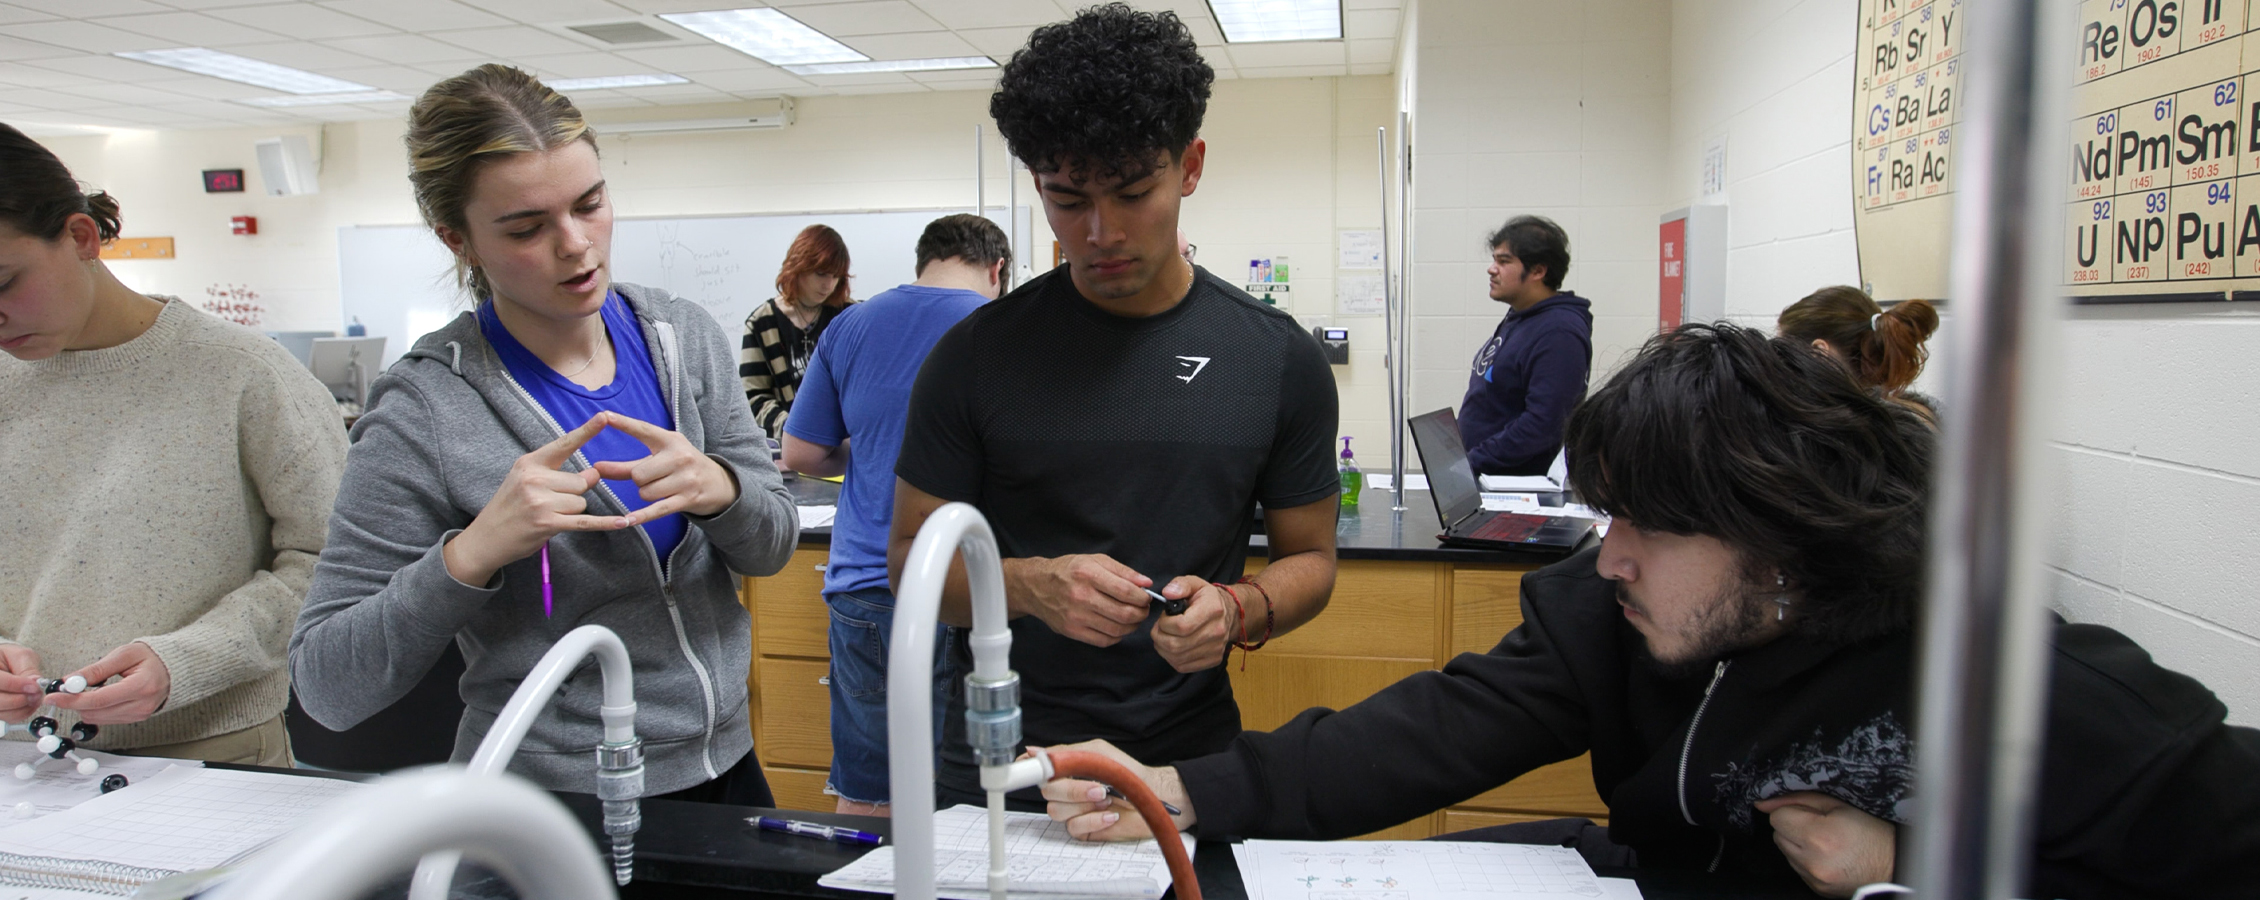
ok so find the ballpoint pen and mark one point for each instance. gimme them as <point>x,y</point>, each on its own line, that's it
<point>840,833</point>
<point>547,606</point>
<point>1169,607</point>
<point>1111,792</point>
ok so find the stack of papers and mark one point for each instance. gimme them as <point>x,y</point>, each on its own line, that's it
<point>1419,870</point>
<point>817,516</point>
<point>1043,860</point>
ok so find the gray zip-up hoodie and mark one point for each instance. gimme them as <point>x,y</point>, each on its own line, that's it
<point>444,425</point>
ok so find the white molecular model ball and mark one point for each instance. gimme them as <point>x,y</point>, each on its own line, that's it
<point>74,684</point>
<point>87,766</point>
<point>48,742</point>
<point>25,810</point>
<point>25,771</point>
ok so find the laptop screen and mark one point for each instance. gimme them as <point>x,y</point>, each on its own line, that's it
<point>1451,481</point>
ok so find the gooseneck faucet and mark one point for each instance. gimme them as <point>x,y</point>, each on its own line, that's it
<point>619,759</point>
<point>352,847</point>
<point>992,710</point>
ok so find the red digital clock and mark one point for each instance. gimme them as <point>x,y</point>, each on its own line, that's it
<point>223,181</point>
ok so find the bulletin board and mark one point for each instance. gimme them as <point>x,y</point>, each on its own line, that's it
<point>2162,193</point>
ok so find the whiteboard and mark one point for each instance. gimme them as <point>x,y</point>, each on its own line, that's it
<point>399,280</point>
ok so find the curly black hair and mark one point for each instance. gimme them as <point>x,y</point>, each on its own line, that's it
<point>1103,92</point>
<point>1775,450</point>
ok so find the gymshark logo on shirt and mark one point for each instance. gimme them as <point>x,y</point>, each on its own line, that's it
<point>1197,362</point>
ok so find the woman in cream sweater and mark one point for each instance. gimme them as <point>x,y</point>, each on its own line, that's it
<point>170,482</point>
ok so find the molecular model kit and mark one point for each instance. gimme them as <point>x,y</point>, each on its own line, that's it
<point>43,728</point>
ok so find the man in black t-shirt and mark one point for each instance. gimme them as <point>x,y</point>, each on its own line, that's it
<point>1118,419</point>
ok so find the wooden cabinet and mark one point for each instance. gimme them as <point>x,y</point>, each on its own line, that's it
<point>1387,620</point>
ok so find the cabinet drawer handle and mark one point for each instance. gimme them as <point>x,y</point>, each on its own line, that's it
<point>820,570</point>
<point>825,680</point>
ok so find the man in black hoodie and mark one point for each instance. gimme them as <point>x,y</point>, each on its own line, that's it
<point>1531,372</point>
<point>1738,658</point>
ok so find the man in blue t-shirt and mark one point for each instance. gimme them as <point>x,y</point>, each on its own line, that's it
<point>1531,373</point>
<point>855,397</point>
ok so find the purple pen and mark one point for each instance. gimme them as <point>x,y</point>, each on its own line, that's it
<point>546,597</point>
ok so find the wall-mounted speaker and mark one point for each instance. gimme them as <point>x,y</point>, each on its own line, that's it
<point>286,166</point>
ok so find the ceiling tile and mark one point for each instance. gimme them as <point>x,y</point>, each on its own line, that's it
<point>1373,51</point>
<point>23,75</point>
<point>610,100</point>
<point>41,98</point>
<point>750,80</point>
<point>1205,32</point>
<point>998,43</point>
<point>862,78</point>
<point>1295,71</point>
<point>907,87</point>
<point>410,49</point>
<point>1369,23</point>
<point>87,9</point>
<point>122,94</point>
<point>11,14</point>
<point>1288,53</point>
<point>304,21</point>
<point>187,29</point>
<point>672,6</point>
<point>392,78</point>
<point>542,12</point>
<point>214,89</point>
<point>695,58</point>
<point>509,41</point>
<point>17,48</point>
<point>300,55</point>
<point>1372,4</point>
<point>107,69</point>
<point>679,93</point>
<point>926,45</point>
<point>86,37</point>
<point>429,15</point>
<point>879,17</point>
<point>955,14</point>
<point>959,80</point>
<point>586,64</point>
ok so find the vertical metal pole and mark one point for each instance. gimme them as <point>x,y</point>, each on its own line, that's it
<point>1394,361</point>
<point>980,185</point>
<point>1984,658</point>
<point>1011,219</point>
<point>1403,387</point>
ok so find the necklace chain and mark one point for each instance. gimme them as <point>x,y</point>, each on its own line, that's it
<point>585,365</point>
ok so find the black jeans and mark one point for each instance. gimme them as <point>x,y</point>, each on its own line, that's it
<point>741,785</point>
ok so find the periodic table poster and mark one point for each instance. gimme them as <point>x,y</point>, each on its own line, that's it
<point>2162,192</point>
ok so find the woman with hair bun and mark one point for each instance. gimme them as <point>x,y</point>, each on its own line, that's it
<point>170,477</point>
<point>1883,348</point>
<point>569,453</point>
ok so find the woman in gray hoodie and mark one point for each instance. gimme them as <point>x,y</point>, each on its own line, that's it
<point>570,433</point>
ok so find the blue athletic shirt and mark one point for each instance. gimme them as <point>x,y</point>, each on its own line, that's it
<point>858,387</point>
<point>634,392</point>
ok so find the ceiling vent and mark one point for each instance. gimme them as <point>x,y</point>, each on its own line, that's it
<point>623,32</point>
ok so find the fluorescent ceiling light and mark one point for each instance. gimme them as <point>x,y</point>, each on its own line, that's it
<point>896,65</point>
<point>767,35</point>
<point>615,81</point>
<point>326,99</point>
<point>246,70</point>
<point>1259,21</point>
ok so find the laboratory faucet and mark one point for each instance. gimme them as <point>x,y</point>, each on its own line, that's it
<point>365,838</point>
<point>619,759</point>
<point>992,712</point>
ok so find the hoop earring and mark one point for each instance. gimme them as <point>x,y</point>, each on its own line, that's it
<point>1781,602</point>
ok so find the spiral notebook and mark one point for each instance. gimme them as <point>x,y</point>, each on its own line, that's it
<point>182,820</point>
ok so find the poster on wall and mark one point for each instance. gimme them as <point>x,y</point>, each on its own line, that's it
<point>2162,191</point>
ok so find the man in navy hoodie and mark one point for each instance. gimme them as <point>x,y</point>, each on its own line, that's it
<point>1532,371</point>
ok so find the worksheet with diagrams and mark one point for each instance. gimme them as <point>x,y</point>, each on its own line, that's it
<point>1044,862</point>
<point>1413,870</point>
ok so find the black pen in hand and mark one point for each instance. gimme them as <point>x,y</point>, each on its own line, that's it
<point>1170,607</point>
<point>1111,792</point>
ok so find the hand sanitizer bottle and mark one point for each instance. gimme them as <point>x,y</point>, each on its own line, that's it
<point>1352,477</point>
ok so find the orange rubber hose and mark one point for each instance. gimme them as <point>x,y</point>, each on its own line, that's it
<point>1085,764</point>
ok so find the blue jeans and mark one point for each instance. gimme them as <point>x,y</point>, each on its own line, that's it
<point>862,633</point>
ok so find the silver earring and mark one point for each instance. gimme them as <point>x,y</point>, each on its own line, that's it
<point>1781,603</point>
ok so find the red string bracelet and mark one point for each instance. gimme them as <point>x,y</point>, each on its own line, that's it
<point>1268,619</point>
<point>1239,621</point>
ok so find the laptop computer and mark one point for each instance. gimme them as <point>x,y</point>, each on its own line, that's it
<point>1459,503</point>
